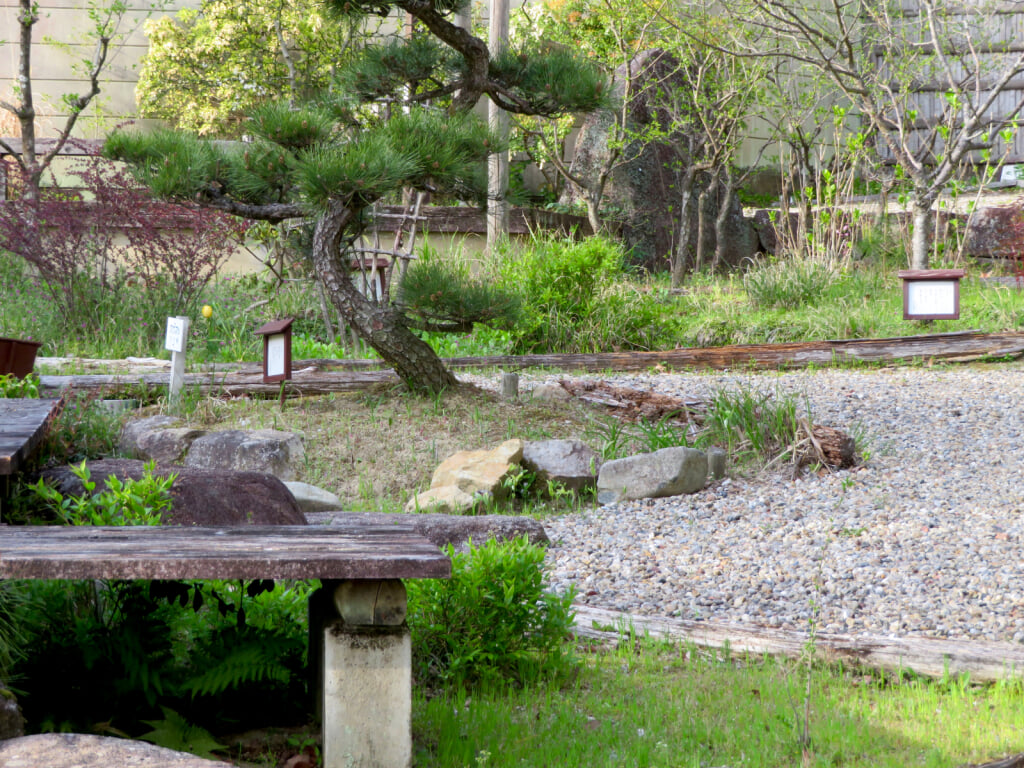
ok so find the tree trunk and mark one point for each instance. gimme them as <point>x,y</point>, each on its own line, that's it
<point>381,326</point>
<point>723,213</point>
<point>702,200</point>
<point>919,241</point>
<point>681,252</point>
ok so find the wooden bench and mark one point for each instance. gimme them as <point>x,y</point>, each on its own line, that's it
<point>361,655</point>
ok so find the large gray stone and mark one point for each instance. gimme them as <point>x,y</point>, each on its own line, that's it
<point>569,463</point>
<point>647,187</point>
<point>75,750</point>
<point>668,472</point>
<point>264,450</point>
<point>160,438</point>
<point>199,496</point>
<point>312,499</point>
<point>443,530</point>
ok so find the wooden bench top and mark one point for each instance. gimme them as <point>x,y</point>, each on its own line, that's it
<point>355,551</point>
<point>22,426</point>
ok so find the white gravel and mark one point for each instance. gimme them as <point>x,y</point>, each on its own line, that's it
<point>924,539</point>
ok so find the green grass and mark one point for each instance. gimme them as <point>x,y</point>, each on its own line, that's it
<point>671,706</point>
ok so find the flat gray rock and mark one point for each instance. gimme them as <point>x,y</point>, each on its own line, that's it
<point>668,472</point>
<point>569,463</point>
<point>442,530</point>
<point>74,750</point>
<point>263,450</point>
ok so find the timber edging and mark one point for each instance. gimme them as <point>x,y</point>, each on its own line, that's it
<point>983,661</point>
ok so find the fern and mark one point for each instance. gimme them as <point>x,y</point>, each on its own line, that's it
<point>243,658</point>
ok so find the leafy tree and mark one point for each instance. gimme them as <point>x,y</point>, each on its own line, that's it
<point>207,67</point>
<point>926,79</point>
<point>332,162</point>
<point>613,34</point>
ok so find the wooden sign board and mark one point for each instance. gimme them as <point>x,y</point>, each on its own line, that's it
<point>177,334</point>
<point>277,350</point>
<point>931,294</point>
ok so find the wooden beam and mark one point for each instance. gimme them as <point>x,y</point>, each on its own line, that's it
<point>928,656</point>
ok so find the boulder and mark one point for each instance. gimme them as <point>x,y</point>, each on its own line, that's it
<point>447,529</point>
<point>12,724</point>
<point>312,499</point>
<point>668,472</point>
<point>162,439</point>
<point>75,750</point>
<point>446,500</point>
<point>996,232</point>
<point>483,471</point>
<point>645,188</point>
<point>468,478</point>
<point>263,450</point>
<point>199,496</point>
<point>550,392</point>
<point>569,463</point>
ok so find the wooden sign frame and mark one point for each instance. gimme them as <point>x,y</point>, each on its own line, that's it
<point>931,294</point>
<point>277,350</point>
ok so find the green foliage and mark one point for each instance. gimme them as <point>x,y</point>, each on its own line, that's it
<point>12,386</point>
<point>753,425</point>
<point>174,732</point>
<point>82,429</point>
<point>173,165</point>
<point>493,621</point>
<point>14,603</point>
<point>289,127</point>
<point>788,282</point>
<point>124,502</point>
<point>384,71</point>
<point>439,290</point>
<point>549,80</point>
<point>576,298</point>
<point>206,68</point>
<point>364,170</point>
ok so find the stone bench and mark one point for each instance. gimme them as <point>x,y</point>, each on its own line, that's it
<point>360,646</point>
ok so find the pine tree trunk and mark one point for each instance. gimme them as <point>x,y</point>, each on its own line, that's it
<point>382,326</point>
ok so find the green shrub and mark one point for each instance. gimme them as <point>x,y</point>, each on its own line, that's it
<point>577,298</point>
<point>12,386</point>
<point>493,621</point>
<point>127,502</point>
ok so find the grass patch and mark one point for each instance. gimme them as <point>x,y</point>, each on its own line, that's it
<point>672,706</point>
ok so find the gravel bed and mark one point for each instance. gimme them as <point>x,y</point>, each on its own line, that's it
<point>923,539</point>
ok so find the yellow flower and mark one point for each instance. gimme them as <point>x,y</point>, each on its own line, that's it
<point>207,311</point>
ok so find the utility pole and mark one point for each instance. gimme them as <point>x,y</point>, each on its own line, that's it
<point>497,164</point>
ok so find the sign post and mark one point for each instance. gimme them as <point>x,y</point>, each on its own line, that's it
<point>277,350</point>
<point>175,342</point>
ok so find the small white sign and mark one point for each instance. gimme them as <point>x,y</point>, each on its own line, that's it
<point>1009,173</point>
<point>931,297</point>
<point>177,334</point>
<point>275,355</point>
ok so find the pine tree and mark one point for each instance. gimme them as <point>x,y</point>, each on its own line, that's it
<point>330,161</point>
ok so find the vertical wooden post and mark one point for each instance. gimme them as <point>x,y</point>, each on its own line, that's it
<point>497,163</point>
<point>176,342</point>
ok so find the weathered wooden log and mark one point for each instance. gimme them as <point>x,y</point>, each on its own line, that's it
<point>928,656</point>
<point>965,346</point>
<point>356,375</point>
<point>836,446</point>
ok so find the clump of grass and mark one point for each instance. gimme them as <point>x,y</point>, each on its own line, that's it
<point>795,282</point>
<point>753,426</point>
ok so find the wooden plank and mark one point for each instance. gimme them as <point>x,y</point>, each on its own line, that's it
<point>349,551</point>
<point>931,657</point>
<point>357,375</point>
<point>23,423</point>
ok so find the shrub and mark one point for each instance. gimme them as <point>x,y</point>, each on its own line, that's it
<point>90,243</point>
<point>577,299</point>
<point>493,621</point>
<point>127,502</point>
